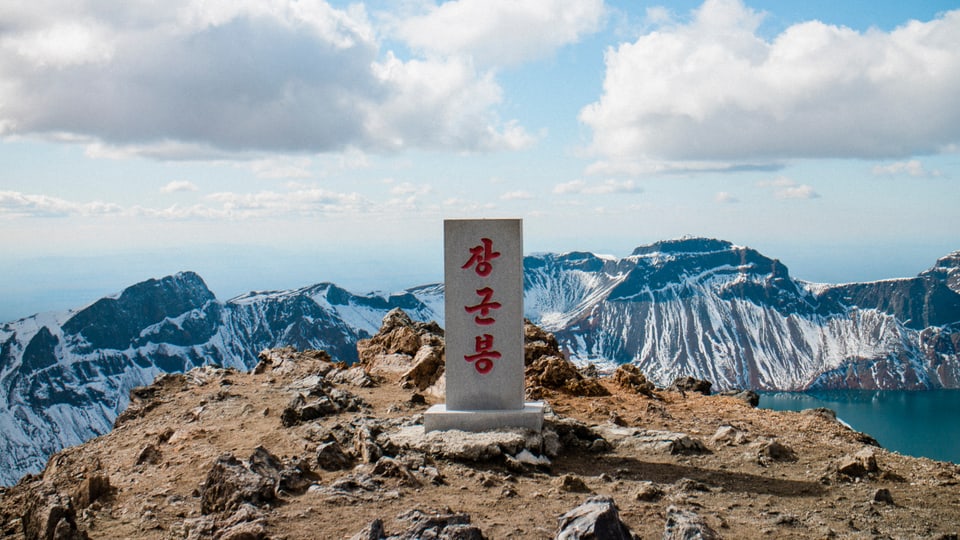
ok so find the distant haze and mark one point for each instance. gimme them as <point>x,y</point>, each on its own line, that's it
<point>61,283</point>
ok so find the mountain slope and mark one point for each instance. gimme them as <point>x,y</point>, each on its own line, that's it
<point>699,307</point>
<point>728,314</point>
<point>65,377</point>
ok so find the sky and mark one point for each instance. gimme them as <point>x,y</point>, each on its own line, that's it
<point>274,144</point>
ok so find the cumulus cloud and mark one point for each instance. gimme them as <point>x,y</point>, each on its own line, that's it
<point>298,201</point>
<point>912,167</point>
<point>501,32</point>
<point>726,198</point>
<point>17,204</point>
<point>786,188</point>
<point>179,186</point>
<point>580,187</point>
<point>519,195</point>
<point>713,89</point>
<point>196,79</point>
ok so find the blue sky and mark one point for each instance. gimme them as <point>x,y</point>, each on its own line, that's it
<point>275,143</point>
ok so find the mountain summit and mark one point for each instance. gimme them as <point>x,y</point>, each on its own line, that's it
<point>691,307</point>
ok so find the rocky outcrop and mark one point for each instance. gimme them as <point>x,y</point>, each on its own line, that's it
<point>409,352</point>
<point>691,384</point>
<point>629,377</point>
<point>51,516</point>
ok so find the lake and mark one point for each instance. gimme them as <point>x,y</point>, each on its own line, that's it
<point>922,424</point>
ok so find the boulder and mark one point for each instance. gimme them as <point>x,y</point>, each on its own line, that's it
<point>859,465</point>
<point>51,516</point>
<point>773,451</point>
<point>630,378</point>
<point>686,525</point>
<point>595,519</point>
<point>90,489</point>
<point>331,457</point>
<point>690,384</point>
<point>749,397</point>
<point>556,373</point>
<point>424,525</point>
<point>428,366</point>
<point>570,483</point>
<point>230,483</point>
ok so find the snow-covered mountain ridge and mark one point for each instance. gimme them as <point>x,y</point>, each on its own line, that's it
<point>699,307</point>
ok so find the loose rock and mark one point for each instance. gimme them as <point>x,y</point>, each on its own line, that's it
<point>595,519</point>
<point>686,525</point>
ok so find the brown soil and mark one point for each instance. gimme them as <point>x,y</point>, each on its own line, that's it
<point>737,493</point>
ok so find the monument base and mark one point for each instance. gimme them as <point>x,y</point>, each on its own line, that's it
<point>439,418</point>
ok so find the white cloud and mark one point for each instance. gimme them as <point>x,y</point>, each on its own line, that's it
<point>519,195</point>
<point>726,198</point>
<point>406,189</point>
<point>786,188</point>
<point>912,167</point>
<point>715,90</point>
<point>179,186</point>
<point>193,79</point>
<point>281,168</point>
<point>802,191</point>
<point>16,204</point>
<point>580,187</point>
<point>501,32</point>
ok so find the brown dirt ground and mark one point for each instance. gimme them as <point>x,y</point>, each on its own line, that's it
<point>236,412</point>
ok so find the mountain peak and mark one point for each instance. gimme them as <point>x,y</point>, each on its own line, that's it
<point>113,323</point>
<point>684,245</point>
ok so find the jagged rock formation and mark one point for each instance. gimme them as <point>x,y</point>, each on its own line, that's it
<point>695,307</point>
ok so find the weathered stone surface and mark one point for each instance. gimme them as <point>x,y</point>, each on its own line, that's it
<point>246,523</point>
<point>629,377</point>
<point>595,519</point>
<point>570,483</point>
<point>537,343</point>
<point>230,483</point>
<point>729,435</point>
<point>373,531</point>
<point>331,457</point>
<point>644,441</point>
<point>690,384</point>
<point>446,526</point>
<point>391,468</point>
<point>398,335</point>
<point>773,451</point>
<point>556,373</point>
<point>686,525</point>
<point>861,464</point>
<point>150,455</point>
<point>647,491</point>
<point>90,489</point>
<point>747,396</point>
<point>321,400</point>
<point>426,369</point>
<point>365,444</point>
<point>883,495</point>
<point>51,516</point>
<point>354,376</point>
<point>424,526</point>
<point>462,445</point>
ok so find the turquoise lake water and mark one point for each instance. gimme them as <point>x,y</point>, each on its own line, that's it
<point>923,424</point>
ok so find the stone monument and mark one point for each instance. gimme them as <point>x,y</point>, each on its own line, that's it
<point>483,304</point>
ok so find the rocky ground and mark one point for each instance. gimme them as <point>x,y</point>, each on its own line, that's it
<point>304,447</point>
